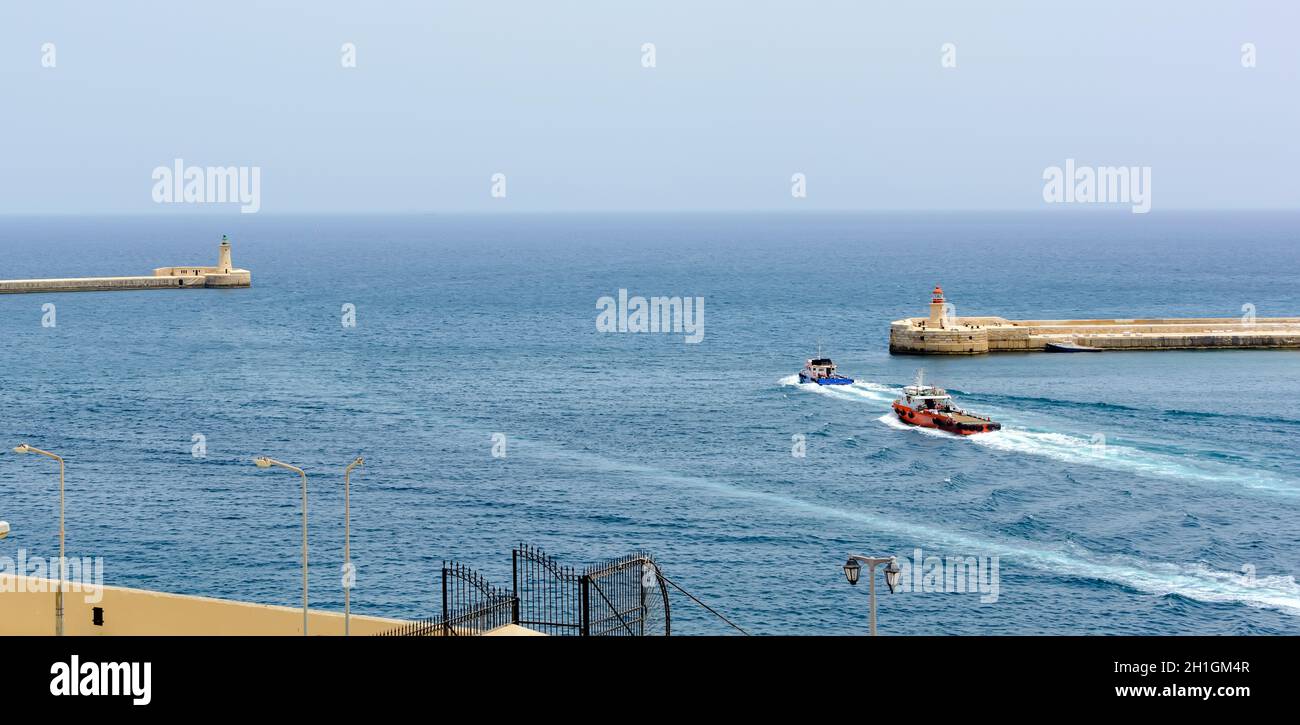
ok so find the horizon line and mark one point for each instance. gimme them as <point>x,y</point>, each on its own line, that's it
<point>234,214</point>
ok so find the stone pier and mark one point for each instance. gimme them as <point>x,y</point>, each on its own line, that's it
<point>223,274</point>
<point>944,333</point>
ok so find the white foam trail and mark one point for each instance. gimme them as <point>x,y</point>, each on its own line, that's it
<point>855,391</point>
<point>1066,448</point>
<point>1194,581</point>
<point>1082,451</point>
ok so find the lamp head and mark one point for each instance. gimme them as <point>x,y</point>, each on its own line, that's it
<point>22,448</point>
<point>891,573</point>
<point>262,462</point>
<point>852,571</point>
<point>358,461</point>
<point>4,529</point>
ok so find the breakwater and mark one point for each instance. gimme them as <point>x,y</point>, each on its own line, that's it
<point>222,274</point>
<point>944,333</point>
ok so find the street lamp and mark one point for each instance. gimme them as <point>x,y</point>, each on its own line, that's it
<point>349,572</point>
<point>63,564</point>
<point>264,462</point>
<point>853,571</point>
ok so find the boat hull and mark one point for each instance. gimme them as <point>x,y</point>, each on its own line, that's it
<point>957,425</point>
<point>837,380</point>
<point>1069,347</point>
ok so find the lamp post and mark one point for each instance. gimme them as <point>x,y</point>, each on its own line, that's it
<point>265,462</point>
<point>853,571</point>
<point>63,564</point>
<point>348,572</point>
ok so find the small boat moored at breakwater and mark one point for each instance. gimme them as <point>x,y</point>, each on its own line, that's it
<point>1069,347</point>
<point>930,407</point>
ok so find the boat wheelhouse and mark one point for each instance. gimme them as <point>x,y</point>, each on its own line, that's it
<point>821,370</point>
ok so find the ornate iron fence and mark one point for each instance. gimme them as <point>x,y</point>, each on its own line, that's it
<point>548,596</point>
<point>626,597</point>
<point>620,597</point>
<point>470,606</point>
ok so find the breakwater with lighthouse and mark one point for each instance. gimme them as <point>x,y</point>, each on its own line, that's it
<point>945,333</point>
<point>222,274</point>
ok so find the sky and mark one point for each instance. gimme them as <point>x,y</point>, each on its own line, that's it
<point>559,97</point>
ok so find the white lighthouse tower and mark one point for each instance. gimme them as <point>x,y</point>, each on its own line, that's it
<point>223,257</point>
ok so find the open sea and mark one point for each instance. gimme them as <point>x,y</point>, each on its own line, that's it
<point>1128,493</point>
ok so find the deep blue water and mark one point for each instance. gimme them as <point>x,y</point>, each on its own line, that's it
<point>471,325</point>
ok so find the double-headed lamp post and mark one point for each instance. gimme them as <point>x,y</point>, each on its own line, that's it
<point>349,574</point>
<point>264,462</point>
<point>853,571</point>
<point>63,564</point>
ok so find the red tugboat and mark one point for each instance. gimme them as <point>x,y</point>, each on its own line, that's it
<point>931,407</point>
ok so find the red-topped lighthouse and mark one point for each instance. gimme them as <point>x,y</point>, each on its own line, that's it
<point>936,308</point>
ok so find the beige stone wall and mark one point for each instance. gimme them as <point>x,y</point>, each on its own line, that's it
<point>985,334</point>
<point>142,612</point>
<point>906,339</point>
<point>162,278</point>
<point>236,278</point>
<point>182,271</point>
<point>96,284</point>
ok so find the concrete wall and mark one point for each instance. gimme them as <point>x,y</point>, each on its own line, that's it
<point>97,284</point>
<point>235,278</point>
<point>189,280</point>
<point>904,339</point>
<point>223,275</point>
<point>142,612</point>
<point>975,335</point>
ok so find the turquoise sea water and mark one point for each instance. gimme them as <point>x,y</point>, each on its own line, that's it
<point>473,325</point>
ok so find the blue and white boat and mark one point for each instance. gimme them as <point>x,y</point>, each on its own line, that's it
<point>821,370</point>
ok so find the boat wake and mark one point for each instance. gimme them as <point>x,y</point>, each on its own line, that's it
<point>856,391</point>
<point>1195,581</point>
<point>1063,447</point>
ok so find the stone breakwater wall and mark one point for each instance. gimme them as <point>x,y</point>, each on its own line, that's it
<point>97,284</point>
<point>978,335</point>
<point>222,274</point>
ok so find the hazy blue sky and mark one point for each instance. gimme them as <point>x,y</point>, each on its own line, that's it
<point>553,94</point>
